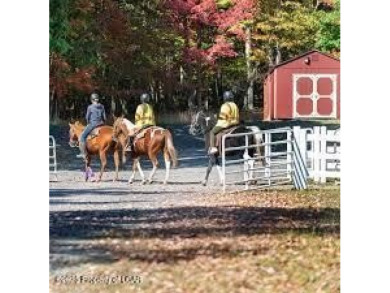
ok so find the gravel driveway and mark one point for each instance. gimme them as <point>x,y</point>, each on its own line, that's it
<point>74,201</point>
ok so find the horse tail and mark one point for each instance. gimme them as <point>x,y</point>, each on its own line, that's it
<point>170,148</point>
<point>258,139</point>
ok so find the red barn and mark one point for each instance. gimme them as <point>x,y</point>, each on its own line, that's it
<point>305,87</point>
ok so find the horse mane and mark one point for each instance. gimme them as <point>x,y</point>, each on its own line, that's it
<point>78,124</point>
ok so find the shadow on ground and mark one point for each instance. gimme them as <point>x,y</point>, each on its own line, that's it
<point>175,225</point>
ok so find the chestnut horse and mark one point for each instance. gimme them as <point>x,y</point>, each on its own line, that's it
<point>99,145</point>
<point>154,140</point>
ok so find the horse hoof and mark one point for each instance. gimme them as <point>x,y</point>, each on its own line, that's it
<point>143,182</point>
<point>130,182</point>
<point>204,182</point>
<point>165,182</point>
<point>150,181</point>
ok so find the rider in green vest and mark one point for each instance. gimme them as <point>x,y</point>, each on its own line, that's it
<point>144,118</point>
<point>229,116</point>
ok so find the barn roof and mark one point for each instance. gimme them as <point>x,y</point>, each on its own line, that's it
<point>300,56</point>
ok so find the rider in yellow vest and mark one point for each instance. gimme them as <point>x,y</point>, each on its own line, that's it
<point>144,117</point>
<point>228,116</point>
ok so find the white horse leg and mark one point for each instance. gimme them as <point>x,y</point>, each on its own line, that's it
<point>150,180</point>
<point>155,164</point>
<point>167,167</point>
<point>134,170</point>
<point>141,172</point>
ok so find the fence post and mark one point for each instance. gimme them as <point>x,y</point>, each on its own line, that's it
<point>267,153</point>
<point>223,165</point>
<point>289,154</point>
<point>53,155</point>
<point>316,153</point>
<point>323,134</point>
<point>246,169</point>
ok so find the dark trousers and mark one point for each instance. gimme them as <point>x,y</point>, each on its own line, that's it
<point>130,138</point>
<point>213,133</point>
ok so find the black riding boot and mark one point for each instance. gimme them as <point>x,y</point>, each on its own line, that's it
<point>130,142</point>
<point>212,149</point>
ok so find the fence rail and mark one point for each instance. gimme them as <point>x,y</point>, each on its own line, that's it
<point>320,149</point>
<point>285,166</point>
<point>53,157</point>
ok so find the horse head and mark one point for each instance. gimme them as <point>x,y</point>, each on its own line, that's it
<point>201,123</point>
<point>118,124</point>
<point>122,125</point>
<point>74,132</point>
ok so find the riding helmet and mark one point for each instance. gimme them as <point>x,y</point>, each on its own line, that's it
<point>228,96</point>
<point>95,97</point>
<point>145,98</point>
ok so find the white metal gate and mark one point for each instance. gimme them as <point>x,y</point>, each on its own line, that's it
<point>282,162</point>
<point>53,156</point>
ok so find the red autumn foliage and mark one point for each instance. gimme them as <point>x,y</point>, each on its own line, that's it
<point>191,16</point>
<point>63,78</point>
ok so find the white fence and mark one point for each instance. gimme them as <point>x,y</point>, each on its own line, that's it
<point>53,156</point>
<point>320,149</point>
<point>282,162</point>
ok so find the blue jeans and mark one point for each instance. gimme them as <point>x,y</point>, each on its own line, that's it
<point>87,131</point>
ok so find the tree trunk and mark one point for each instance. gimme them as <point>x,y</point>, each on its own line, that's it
<point>123,106</point>
<point>248,54</point>
<point>278,57</point>
<point>52,103</point>
<point>181,74</point>
<point>113,105</point>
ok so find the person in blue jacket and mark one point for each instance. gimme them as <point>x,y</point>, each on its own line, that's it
<point>96,116</point>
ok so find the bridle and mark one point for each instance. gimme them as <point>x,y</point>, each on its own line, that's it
<point>72,141</point>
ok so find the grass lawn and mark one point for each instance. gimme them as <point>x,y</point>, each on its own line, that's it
<point>257,241</point>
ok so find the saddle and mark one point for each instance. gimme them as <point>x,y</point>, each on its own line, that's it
<point>152,129</point>
<point>94,133</point>
<point>229,130</point>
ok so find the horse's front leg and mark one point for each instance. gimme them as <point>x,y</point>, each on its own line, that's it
<point>133,171</point>
<point>212,161</point>
<point>251,165</point>
<point>136,165</point>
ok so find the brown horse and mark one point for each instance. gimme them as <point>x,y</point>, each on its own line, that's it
<point>154,140</point>
<point>98,145</point>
